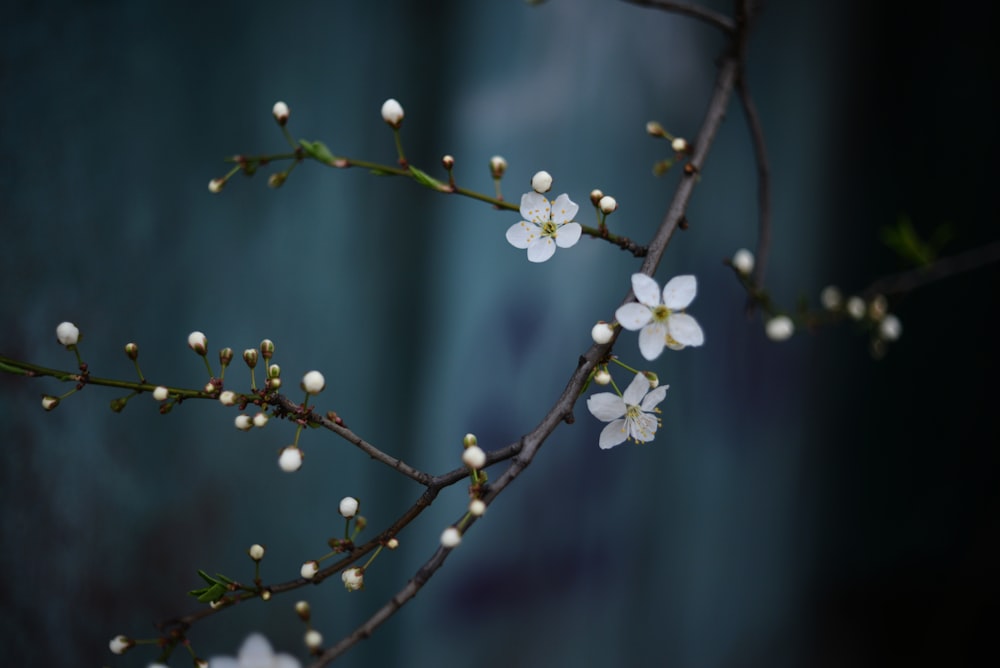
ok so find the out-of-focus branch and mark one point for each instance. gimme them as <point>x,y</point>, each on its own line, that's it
<point>935,271</point>
<point>710,16</point>
<point>763,182</point>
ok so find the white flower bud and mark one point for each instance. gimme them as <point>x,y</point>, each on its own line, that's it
<point>448,161</point>
<point>49,402</point>
<point>256,552</point>
<point>541,182</point>
<point>743,261</point>
<point>654,380</point>
<point>607,204</point>
<point>250,357</point>
<point>274,371</point>
<point>392,112</point>
<point>451,537</point>
<point>160,393</point>
<point>313,382</point>
<point>654,129</point>
<point>856,307</point>
<point>830,298</point>
<point>890,328</point>
<point>215,185</point>
<point>354,579</point>
<point>227,398</point>
<point>602,377</point>
<point>602,332</point>
<point>878,307</point>
<point>477,507</point>
<point>779,328</point>
<point>470,440</point>
<point>198,342</point>
<point>243,422</point>
<point>67,334</point>
<point>280,112</point>
<point>260,419</point>
<point>392,543</point>
<point>309,569</point>
<point>474,457</point>
<point>497,166</point>
<point>303,610</point>
<point>290,459</point>
<point>679,144</point>
<point>209,387</point>
<point>119,644</point>
<point>314,639</point>
<point>349,506</point>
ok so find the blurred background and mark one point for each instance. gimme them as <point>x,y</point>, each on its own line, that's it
<point>803,503</point>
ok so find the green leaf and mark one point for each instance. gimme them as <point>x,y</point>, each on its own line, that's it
<point>317,150</point>
<point>904,239</point>
<point>427,180</point>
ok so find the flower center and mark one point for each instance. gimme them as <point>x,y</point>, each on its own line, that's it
<point>660,313</point>
<point>549,229</point>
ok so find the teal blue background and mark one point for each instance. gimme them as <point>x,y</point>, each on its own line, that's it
<point>802,505</point>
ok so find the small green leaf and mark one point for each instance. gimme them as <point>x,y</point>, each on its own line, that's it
<point>427,180</point>
<point>317,150</point>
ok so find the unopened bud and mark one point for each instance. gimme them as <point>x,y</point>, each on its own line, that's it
<point>256,552</point>
<point>497,166</point>
<point>392,113</point>
<point>541,182</point>
<point>448,162</point>
<point>280,112</point>
<point>132,350</point>
<point>198,342</point>
<point>267,349</point>
<point>250,357</point>
<point>607,204</point>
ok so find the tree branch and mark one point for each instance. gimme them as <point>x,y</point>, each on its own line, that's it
<point>712,17</point>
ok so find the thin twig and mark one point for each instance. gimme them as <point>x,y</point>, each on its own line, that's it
<point>935,271</point>
<point>763,181</point>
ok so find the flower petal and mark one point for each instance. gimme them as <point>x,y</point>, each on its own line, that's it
<point>636,390</point>
<point>633,316</point>
<point>646,290</point>
<point>520,235</point>
<point>606,406</point>
<point>535,207</point>
<point>650,401</point>
<point>541,249</point>
<point>685,330</point>
<point>564,209</point>
<point>613,434</point>
<point>652,339</point>
<point>680,291</point>
<point>567,235</point>
<point>642,428</point>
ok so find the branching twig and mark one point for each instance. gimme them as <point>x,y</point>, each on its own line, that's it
<point>712,17</point>
<point>935,271</point>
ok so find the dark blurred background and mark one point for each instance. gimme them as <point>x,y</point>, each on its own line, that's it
<point>803,504</point>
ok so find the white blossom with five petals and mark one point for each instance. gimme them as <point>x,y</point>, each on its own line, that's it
<point>631,415</point>
<point>546,225</point>
<point>660,317</point>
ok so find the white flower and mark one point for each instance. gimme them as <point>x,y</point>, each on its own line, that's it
<point>67,334</point>
<point>545,226</point>
<point>451,537</point>
<point>160,393</point>
<point>256,652</point>
<point>779,328</point>
<point>309,569</point>
<point>349,506</point>
<point>630,415</point>
<point>659,319</point>
<point>354,579</point>
<point>743,261</point>
<point>290,459</point>
<point>280,112</point>
<point>474,457</point>
<point>392,112</point>
<point>890,328</point>
<point>541,182</point>
<point>313,382</point>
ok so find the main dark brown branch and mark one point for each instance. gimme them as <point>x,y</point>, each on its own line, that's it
<point>524,451</point>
